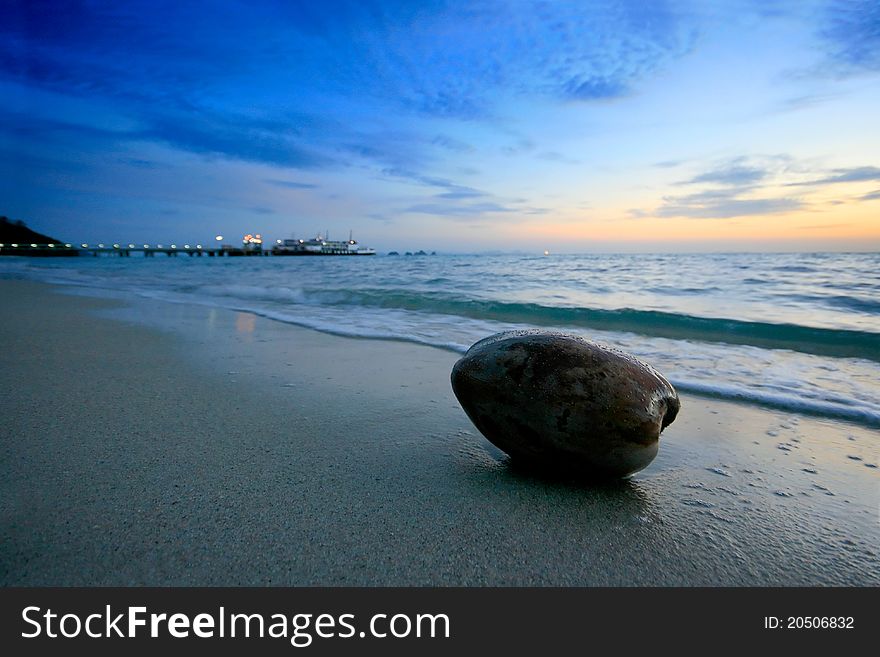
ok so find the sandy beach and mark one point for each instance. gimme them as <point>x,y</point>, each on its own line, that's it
<point>151,443</point>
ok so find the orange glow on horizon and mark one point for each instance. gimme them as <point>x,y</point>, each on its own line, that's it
<point>823,217</point>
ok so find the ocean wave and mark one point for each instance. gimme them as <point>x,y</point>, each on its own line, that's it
<point>270,293</point>
<point>832,406</point>
<point>847,343</point>
<point>869,306</point>
<point>861,413</point>
<point>797,269</point>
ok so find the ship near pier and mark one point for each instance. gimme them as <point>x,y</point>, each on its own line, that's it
<point>321,246</point>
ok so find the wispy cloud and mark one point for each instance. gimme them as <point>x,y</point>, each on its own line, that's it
<point>230,136</point>
<point>403,173</point>
<point>290,184</point>
<point>18,124</point>
<point>668,164</point>
<point>477,207</point>
<point>233,137</point>
<point>735,174</point>
<point>457,192</point>
<point>852,35</point>
<point>850,175</point>
<point>452,144</point>
<point>559,51</point>
<point>734,188</point>
<point>457,210</point>
<point>555,156</point>
<point>521,145</point>
<point>806,101</point>
<point>749,186</point>
<point>396,52</point>
<point>824,226</point>
<point>139,163</point>
<point>702,207</point>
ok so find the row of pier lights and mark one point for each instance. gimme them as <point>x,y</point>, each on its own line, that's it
<point>219,239</point>
<point>136,246</point>
<point>251,245</point>
<point>100,246</point>
<point>149,250</point>
<point>115,246</point>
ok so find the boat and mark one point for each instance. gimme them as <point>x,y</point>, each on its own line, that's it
<point>320,246</point>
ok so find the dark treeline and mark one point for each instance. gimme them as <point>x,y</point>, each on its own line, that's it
<point>17,232</point>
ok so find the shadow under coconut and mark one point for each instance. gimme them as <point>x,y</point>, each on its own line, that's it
<point>626,494</point>
<point>563,494</point>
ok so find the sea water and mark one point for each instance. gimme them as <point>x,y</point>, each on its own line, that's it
<point>792,331</point>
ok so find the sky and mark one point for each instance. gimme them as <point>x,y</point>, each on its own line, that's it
<point>460,126</point>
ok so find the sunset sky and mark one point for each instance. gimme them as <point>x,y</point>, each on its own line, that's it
<point>449,126</point>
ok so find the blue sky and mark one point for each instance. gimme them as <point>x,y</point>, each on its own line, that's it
<point>457,126</point>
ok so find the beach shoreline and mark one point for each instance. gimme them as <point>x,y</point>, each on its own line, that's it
<point>151,443</point>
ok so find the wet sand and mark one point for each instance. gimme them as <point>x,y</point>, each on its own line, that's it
<point>149,443</point>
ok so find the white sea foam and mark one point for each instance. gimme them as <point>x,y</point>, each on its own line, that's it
<point>442,303</point>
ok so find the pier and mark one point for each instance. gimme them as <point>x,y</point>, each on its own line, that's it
<point>125,250</point>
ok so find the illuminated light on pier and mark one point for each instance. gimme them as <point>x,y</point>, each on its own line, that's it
<point>146,246</point>
<point>198,246</point>
<point>186,246</point>
<point>115,246</point>
<point>51,246</point>
<point>131,246</point>
<point>33,246</point>
<point>85,246</point>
